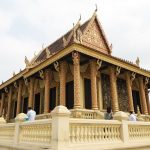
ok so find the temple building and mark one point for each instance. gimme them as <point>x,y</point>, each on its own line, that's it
<point>77,71</point>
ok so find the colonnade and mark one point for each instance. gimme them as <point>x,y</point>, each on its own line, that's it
<point>145,104</point>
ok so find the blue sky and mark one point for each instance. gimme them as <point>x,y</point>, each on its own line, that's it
<point>25,25</point>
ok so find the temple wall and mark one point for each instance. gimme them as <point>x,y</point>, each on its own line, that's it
<point>122,95</point>
<point>106,95</point>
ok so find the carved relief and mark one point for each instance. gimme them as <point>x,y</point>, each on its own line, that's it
<point>106,90</point>
<point>122,95</point>
<point>56,65</point>
<point>93,37</point>
<point>6,89</point>
<point>99,64</point>
<point>146,81</point>
<point>75,57</point>
<point>133,76</point>
<point>41,73</point>
<point>76,68</point>
<point>118,69</point>
<point>26,81</point>
<point>48,53</point>
<point>15,84</point>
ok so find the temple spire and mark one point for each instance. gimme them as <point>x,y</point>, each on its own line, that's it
<point>96,9</point>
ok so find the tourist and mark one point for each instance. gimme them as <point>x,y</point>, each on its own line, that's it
<point>31,114</point>
<point>108,115</point>
<point>132,116</point>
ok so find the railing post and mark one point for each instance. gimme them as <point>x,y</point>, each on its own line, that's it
<point>60,128</point>
<point>19,118</point>
<point>125,131</point>
<point>16,134</point>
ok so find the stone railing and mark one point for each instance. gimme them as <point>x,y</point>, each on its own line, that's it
<point>139,130</point>
<point>7,132</point>
<point>63,132</point>
<point>26,135</point>
<point>86,114</point>
<point>38,132</point>
<point>101,131</point>
<point>43,116</point>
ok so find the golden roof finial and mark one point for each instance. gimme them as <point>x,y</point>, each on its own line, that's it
<point>96,9</point>
<point>48,53</point>
<point>26,61</point>
<point>14,73</point>
<point>79,18</point>
<point>137,61</point>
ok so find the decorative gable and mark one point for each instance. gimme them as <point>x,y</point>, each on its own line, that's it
<point>94,38</point>
<point>89,34</point>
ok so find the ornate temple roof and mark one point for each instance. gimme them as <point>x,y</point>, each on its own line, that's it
<point>89,35</point>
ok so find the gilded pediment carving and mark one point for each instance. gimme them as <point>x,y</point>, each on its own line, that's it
<point>93,38</point>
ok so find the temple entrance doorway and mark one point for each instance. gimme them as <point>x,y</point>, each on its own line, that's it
<point>52,98</point>
<point>37,103</point>
<point>15,108</point>
<point>88,99</point>
<point>69,95</point>
<point>136,100</point>
<point>25,105</point>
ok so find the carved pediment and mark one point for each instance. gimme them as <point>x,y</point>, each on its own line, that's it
<point>93,37</point>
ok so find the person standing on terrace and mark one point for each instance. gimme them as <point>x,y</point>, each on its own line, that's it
<point>108,115</point>
<point>132,116</point>
<point>31,114</point>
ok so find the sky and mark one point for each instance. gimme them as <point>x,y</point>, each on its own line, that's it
<point>26,25</point>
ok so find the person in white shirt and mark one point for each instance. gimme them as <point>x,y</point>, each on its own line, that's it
<point>132,116</point>
<point>31,114</point>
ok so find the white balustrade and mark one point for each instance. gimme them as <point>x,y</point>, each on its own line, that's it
<point>7,132</point>
<point>94,131</point>
<point>63,132</point>
<point>43,116</point>
<point>36,132</point>
<point>86,114</point>
<point>139,130</point>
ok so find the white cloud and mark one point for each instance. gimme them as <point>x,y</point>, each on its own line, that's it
<point>25,25</point>
<point>6,20</point>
